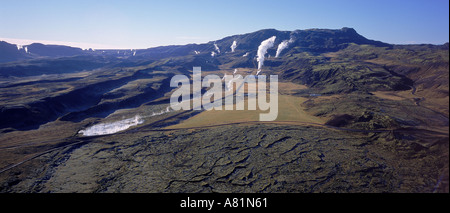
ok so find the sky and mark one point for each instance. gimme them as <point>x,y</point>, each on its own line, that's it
<point>139,24</point>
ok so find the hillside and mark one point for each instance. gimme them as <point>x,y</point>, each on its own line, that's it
<point>355,115</point>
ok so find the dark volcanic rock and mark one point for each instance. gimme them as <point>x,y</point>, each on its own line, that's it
<point>260,158</point>
<point>340,120</point>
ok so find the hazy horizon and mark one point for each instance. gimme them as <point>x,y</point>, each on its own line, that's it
<point>140,25</point>
<point>86,46</point>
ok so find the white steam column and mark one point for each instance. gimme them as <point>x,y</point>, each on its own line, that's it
<point>262,50</point>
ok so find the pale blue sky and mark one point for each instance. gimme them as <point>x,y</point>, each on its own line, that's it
<point>149,23</point>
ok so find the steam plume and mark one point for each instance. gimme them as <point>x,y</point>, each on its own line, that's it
<point>217,48</point>
<point>283,45</point>
<point>111,128</point>
<point>262,50</point>
<point>233,46</point>
<point>229,86</point>
<point>117,126</point>
<point>160,113</point>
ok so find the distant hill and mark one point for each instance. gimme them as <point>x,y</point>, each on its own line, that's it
<point>53,50</point>
<point>10,52</point>
<point>312,40</point>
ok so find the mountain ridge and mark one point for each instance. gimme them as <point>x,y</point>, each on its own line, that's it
<point>314,40</point>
